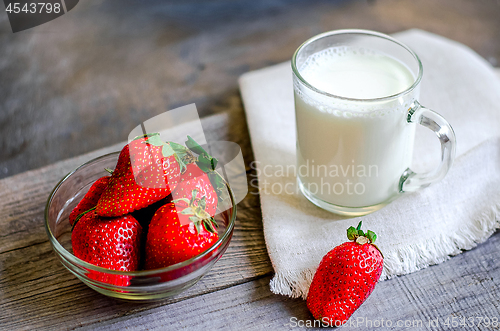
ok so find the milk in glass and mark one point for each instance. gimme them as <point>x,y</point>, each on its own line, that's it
<point>353,145</point>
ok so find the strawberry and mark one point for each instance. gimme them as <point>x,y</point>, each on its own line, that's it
<point>111,243</point>
<point>90,199</point>
<point>179,231</point>
<point>147,171</point>
<point>345,277</point>
<point>194,179</point>
<point>144,217</point>
<point>200,175</point>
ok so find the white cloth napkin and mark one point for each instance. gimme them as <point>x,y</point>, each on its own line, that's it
<point>416,230</point>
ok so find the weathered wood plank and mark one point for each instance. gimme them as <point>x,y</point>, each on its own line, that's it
<point>101,91</point>
<point>83,81</point>
<point>468,285</point>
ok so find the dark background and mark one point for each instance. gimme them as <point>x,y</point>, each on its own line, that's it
<point>85,79</point>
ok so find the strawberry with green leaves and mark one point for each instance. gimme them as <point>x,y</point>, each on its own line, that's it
<point>90,199</point>
<point>179,231</point>
<point>200,176</point>
<point>194,179</point>
<point>208,164</point>
<point>345,277</point>
<point>111,243</point>
<point>147,171</point>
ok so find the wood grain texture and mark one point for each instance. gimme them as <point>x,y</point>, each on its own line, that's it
<point>467,286</point>
<point>83,81</point>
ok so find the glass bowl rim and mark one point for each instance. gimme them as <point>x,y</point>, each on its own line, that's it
<point>152,272</point>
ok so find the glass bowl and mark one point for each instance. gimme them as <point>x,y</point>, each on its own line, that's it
<point>143,285</point>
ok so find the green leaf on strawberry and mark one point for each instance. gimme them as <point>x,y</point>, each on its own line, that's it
<point>211,225</point>
<point>182,151</point>
<point>203,202</point>
<point>205,161</point>
<point>168,150</point>
<point>371,236</point>
<point>352,233</point>
<point>208,164</point>
<point>187,211</point>
<point>154,140</point>
<point>194,146</point>
<point>147,135</point>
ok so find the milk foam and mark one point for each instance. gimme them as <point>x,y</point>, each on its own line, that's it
<point>356,73</point>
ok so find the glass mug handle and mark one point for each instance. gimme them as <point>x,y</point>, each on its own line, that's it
<point>411,181</point>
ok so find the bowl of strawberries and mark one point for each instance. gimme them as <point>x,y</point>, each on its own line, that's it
<point>145,223</point>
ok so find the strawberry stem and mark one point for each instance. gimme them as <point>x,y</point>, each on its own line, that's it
<point>205,161</point>
<point>355,233</point>
<point>194,193</point>
<point>197,213</point>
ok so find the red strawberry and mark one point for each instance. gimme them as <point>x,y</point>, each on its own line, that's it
<point>144,217</point>
<point>202,177</point>
<point>111,243</point>
<point>345,277</point>
<point>179,231</point>
<point>147,171</point>
<point>194,179</point>
<point>90,199</point>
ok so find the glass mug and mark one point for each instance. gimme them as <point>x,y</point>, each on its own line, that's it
<point>356,105</point>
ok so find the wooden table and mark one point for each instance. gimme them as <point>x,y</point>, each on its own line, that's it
<point>83,81</point>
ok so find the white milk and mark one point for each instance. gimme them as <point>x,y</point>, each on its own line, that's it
<point>353,153</point>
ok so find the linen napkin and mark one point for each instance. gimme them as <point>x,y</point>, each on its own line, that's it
<point>414,231</point>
